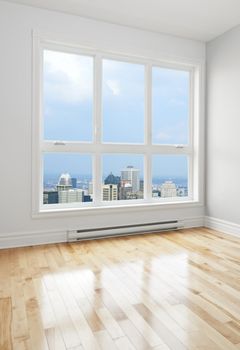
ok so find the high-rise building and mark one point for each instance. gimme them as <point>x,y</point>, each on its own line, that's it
<point>71,196</point>
<point>109,192</point>
<point>112,179</point>
<point>87,198</point>
<point>64,182</point>
<point>182,191</point>
<point>131,175</point>
<point>50,197</point>
<point>125,190</point>
<point>156,193</point>
<point>90,188</point>
<point>74,182</point>
<point>168,189</point>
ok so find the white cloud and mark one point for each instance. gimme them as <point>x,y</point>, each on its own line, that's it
<point>173,134</point>
<point>68,77</point>
<point>163,136</point>
<point>113,86</point>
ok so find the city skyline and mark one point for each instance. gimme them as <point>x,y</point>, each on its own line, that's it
<point>127,186</point>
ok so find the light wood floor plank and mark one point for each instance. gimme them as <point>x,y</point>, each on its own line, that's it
<point>5,324</point>
<point>168,291</point>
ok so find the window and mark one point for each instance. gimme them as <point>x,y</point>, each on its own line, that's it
<point>115,130</point>
<point>170,106</point>
<point>169,176</point>
<point>125,172</point>
<point>67,96</point>
<point>123,102</point>
<point>67,178</point>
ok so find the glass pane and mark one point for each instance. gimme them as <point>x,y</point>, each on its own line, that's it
<point>123,102</point>
<point>169,176</point>
<point>67,96</point>
<point>122,177</point>
<point>170,106</point>
<point>67,178</point>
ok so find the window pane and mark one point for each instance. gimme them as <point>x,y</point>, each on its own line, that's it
<point>67,178</point>
<point>123,102</point>
<point>122,177</point>
<point>68,96</point>
<point>170,106</point>
<point>169,176</point>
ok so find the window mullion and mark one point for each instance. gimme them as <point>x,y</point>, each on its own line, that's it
<point>190,176</point>
<point>148,133</point>
<point>148,104</point>
<point>97,99</point>
<point>37,161</point>
<point>148,176</point>
<point>97,176</point>
<point>191,136</point>
<point>191,109</point>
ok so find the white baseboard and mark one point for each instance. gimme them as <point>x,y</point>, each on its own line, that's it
<point>23,239</point>
<point>197,221</point>
<point>222,225</point>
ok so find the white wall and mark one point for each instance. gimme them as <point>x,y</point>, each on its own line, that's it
<point>223,127</point>
<point>16,24</point>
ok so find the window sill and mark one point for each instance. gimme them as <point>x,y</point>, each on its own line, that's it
<point>104,209</point>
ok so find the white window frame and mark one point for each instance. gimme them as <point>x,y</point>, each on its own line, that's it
<point>194,150</point>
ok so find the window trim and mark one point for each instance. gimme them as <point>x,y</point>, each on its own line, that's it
<point>194,150</point>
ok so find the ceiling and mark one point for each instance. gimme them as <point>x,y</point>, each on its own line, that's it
<point>195,19</point>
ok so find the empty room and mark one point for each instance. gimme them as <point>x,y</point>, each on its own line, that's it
<point>120,175</point>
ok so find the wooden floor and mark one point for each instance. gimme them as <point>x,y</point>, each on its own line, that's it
<point>177,290</point>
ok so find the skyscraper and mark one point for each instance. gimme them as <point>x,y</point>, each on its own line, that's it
<point>50,197</point>
<point>112,179</point>
<point>168,189</point>
<point>71,196</point>
<point>109,192</point>
<point>125,190</point>
<point>64,182</point>
<point>74,182</point>
<point>131,176</point>
<point>90,188</point>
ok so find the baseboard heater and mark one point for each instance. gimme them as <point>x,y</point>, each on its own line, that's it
<point>123,230</point>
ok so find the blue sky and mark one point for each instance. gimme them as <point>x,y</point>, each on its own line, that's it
<point>68,109</point>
